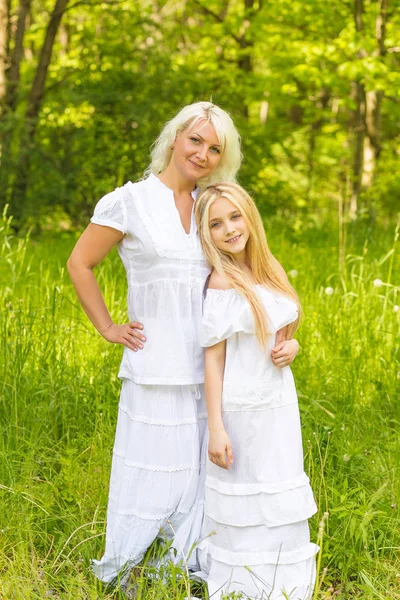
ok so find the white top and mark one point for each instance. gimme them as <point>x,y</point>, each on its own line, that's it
<point>249,371</point>
<point>166,272</point>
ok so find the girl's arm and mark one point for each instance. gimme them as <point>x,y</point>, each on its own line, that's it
<point>219,446</point>
<point>93,245</point>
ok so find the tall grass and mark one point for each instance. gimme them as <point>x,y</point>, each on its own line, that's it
<point>58,407</point>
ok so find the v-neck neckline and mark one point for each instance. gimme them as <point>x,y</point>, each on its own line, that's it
<point>170,191</point>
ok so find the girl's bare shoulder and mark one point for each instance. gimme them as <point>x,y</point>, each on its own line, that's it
<point>218,282</point>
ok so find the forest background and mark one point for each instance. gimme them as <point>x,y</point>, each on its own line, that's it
<point>314,89</point>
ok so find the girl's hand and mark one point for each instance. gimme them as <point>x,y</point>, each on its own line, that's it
<point>220,449</point>
<point>128,334</point>
<point>285,352</point>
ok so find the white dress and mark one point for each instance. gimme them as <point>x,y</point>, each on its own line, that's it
<point>255,536</point>
<point>157,481</point>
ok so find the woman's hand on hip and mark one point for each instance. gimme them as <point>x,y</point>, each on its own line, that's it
<point>128,334</point>
<point>220,449</point>
<point>285,352</point>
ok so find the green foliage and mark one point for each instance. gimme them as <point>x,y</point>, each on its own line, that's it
<point>59,395</point>
<point>285,71</point>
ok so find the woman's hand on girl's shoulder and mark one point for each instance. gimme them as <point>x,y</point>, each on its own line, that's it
<point>285,352</point>
<point>220,449</point>
<point>128,334</point>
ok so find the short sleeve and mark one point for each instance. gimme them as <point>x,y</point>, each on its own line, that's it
<point>225,312</point>
<point>110,211</point>
<point>280,310</point>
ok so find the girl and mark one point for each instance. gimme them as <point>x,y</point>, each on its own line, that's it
<point>156,475</point>
<point>258,498</point>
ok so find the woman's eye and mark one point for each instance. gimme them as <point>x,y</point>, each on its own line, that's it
<point>236,216</point>
<point>194,139</point>
<point>216,150</point>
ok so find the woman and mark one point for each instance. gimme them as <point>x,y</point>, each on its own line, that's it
<point>258,498</point>
<point>156,470</point>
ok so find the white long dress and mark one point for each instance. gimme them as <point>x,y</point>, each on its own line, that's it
<point>157,480</point>
<point>255,533</point>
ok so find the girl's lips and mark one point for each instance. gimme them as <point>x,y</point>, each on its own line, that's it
<point>234,239</point>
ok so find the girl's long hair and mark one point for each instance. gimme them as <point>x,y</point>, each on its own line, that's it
<point>264,267</point>
<point>225,129</point>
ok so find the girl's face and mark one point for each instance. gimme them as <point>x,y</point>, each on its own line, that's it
<point>229,230</point>
<point>197,151</point>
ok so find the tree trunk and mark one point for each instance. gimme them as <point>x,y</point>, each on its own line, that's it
<point>18,53</point>
<point>34,104</point>
<point>4,32</point>
<point>373,101</point>
<point>358,146</point>
<point>13,73</point>
<point>358,121</point>
<point>372,145</point>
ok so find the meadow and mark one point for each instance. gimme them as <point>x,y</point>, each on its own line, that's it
<point>59,397</point>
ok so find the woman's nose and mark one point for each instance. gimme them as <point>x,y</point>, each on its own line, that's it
<point>202,153</point>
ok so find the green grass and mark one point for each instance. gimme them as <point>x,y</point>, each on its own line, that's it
<point>58,408</point>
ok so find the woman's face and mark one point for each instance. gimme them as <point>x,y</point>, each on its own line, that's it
<point>197,151</point>
<point>229,231</point>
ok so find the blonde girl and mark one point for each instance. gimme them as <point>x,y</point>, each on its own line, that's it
<point>258,497</point>
<point>156,475</point>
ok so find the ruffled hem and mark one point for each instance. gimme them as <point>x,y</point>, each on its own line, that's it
<point>271,509</point>
<point>249,559</point>
<point>160,468</point>
<point>246,489</point>
<point>125,373</point>
<point>160,423</point>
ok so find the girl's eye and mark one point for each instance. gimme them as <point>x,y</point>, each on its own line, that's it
<point>216,150</point>
<point>195,139</point>
<point>214,224</point>
<point>236,216</point>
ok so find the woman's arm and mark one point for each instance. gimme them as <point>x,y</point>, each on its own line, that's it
<point>93,245</point>
<point>219,446</point>
<point>284,351</point>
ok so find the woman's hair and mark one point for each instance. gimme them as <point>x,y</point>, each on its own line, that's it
<point>264,267</point>
<point>226,131</point>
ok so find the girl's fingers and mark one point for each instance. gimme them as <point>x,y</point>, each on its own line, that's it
<point>229,454</point>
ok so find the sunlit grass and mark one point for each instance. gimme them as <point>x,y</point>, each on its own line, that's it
<point>58,407</point>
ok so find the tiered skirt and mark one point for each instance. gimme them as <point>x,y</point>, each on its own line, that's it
<point>255,533</point>
<point>157,475</point>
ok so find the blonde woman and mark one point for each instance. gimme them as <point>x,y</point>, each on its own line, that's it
<point>258,498</point>
<point>156,477</point>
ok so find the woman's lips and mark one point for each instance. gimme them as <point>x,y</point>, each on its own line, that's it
<point>195,164</point>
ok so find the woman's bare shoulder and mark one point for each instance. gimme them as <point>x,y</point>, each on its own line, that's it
<point>218,282</point>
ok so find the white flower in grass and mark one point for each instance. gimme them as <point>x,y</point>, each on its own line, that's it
<point>396,308</point>
<point>329,291</point>
<point>293,273</point>
<point>378,283</point>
